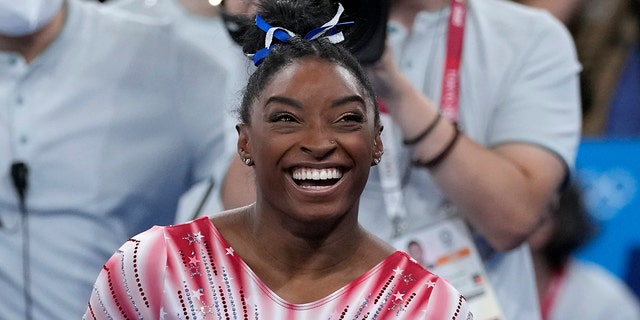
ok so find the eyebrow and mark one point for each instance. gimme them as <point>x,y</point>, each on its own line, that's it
<point>348,99</point>
<point>295,103</point>
<point>283,100</point>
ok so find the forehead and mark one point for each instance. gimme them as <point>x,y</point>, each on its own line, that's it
<point>313,77</point>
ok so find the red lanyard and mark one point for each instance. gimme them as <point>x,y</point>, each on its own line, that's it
<point>449,100</point>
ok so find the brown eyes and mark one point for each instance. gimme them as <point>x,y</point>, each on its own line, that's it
<point>352,117</point>
<point>288,117</point>
<point>282,117</point>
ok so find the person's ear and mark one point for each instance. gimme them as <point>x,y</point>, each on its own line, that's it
<point>378,148</point>
<point>244,144</point>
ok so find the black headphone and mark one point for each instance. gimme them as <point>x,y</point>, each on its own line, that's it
<point>367,39</point>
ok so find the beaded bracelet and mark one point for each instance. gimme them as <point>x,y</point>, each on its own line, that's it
<point>423,134</point>
<point>443,154</point>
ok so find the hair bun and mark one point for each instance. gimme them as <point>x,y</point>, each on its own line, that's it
<point>366,39</point>
<point>298,16</point>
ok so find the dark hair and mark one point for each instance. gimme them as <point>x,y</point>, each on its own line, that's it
<point>573,227</point>
<point>300,17</point>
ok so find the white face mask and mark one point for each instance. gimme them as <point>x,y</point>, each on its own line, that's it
<point>23,17</point>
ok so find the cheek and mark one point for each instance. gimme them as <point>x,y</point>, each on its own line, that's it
<point>270,149</point>
<point>361,146</point>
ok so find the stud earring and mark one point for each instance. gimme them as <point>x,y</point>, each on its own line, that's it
<point>248,161</point>
<point>376,161</point>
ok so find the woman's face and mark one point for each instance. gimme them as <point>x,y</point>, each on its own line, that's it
<point>313,139</point>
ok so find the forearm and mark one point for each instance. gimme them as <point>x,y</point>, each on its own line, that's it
<point>502,192</point>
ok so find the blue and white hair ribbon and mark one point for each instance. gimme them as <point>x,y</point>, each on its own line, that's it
<point>281,34</point>
<point>329,27</point>
<point>284,35</point>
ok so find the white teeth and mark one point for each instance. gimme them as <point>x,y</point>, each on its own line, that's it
<point>317,174</point>
<point>314,187</point>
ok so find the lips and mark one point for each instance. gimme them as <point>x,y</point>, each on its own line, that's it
<point>313,178</point>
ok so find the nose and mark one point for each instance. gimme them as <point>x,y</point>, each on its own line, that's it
<point>318,143</point>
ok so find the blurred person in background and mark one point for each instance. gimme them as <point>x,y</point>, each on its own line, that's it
<point>607,36</point>
<point>105,121</point>
<point>212,26</point>
<point>570,288</point>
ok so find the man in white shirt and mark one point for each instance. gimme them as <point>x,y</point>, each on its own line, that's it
<point>108,119</point>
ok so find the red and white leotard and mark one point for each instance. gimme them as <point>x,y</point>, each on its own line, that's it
<point>189,271</point>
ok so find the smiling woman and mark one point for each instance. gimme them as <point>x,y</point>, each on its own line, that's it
<point>312,119</point>
<point>310,129</point>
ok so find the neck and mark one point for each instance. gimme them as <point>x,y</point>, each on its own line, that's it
<point>290,264</point>
<point>32,45</point>
<point>296,248</point>
<point>290,260</point>
<point>430,5</point>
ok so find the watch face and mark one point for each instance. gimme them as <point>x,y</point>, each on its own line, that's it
<point>366,39</point>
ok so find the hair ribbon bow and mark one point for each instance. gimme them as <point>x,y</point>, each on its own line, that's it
<point>284,35</point>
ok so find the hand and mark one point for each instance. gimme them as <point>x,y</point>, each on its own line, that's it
<point>385,76</point>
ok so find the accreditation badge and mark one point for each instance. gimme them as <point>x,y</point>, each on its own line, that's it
<point>447,249</point>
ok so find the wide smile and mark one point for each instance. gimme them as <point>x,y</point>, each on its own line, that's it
<point>316,178</point>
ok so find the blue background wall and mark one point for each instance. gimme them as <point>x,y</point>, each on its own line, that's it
<point>609,171</point>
